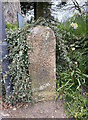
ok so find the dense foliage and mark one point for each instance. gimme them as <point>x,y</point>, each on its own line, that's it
<point>18,68</point>
<point>73,78</point>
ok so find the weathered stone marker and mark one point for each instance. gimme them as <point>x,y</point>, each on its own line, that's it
<point>42,68</point>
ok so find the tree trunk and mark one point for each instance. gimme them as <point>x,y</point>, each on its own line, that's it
<point>38,10</point>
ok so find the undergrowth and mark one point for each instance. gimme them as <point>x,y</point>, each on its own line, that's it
<point>73,78</point>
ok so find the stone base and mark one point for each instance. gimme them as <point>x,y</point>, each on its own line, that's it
<point>43,96</point>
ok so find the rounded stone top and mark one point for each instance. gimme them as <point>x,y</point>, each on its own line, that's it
<point>40,29</point>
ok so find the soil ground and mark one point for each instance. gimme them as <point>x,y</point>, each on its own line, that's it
<point>46,109</point>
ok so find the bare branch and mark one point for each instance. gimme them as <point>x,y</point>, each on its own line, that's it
<point>76,4</point>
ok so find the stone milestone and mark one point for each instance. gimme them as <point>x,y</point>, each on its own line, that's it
<point>42,67</point>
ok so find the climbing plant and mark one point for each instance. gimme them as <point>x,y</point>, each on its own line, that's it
<point>18,67</point>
